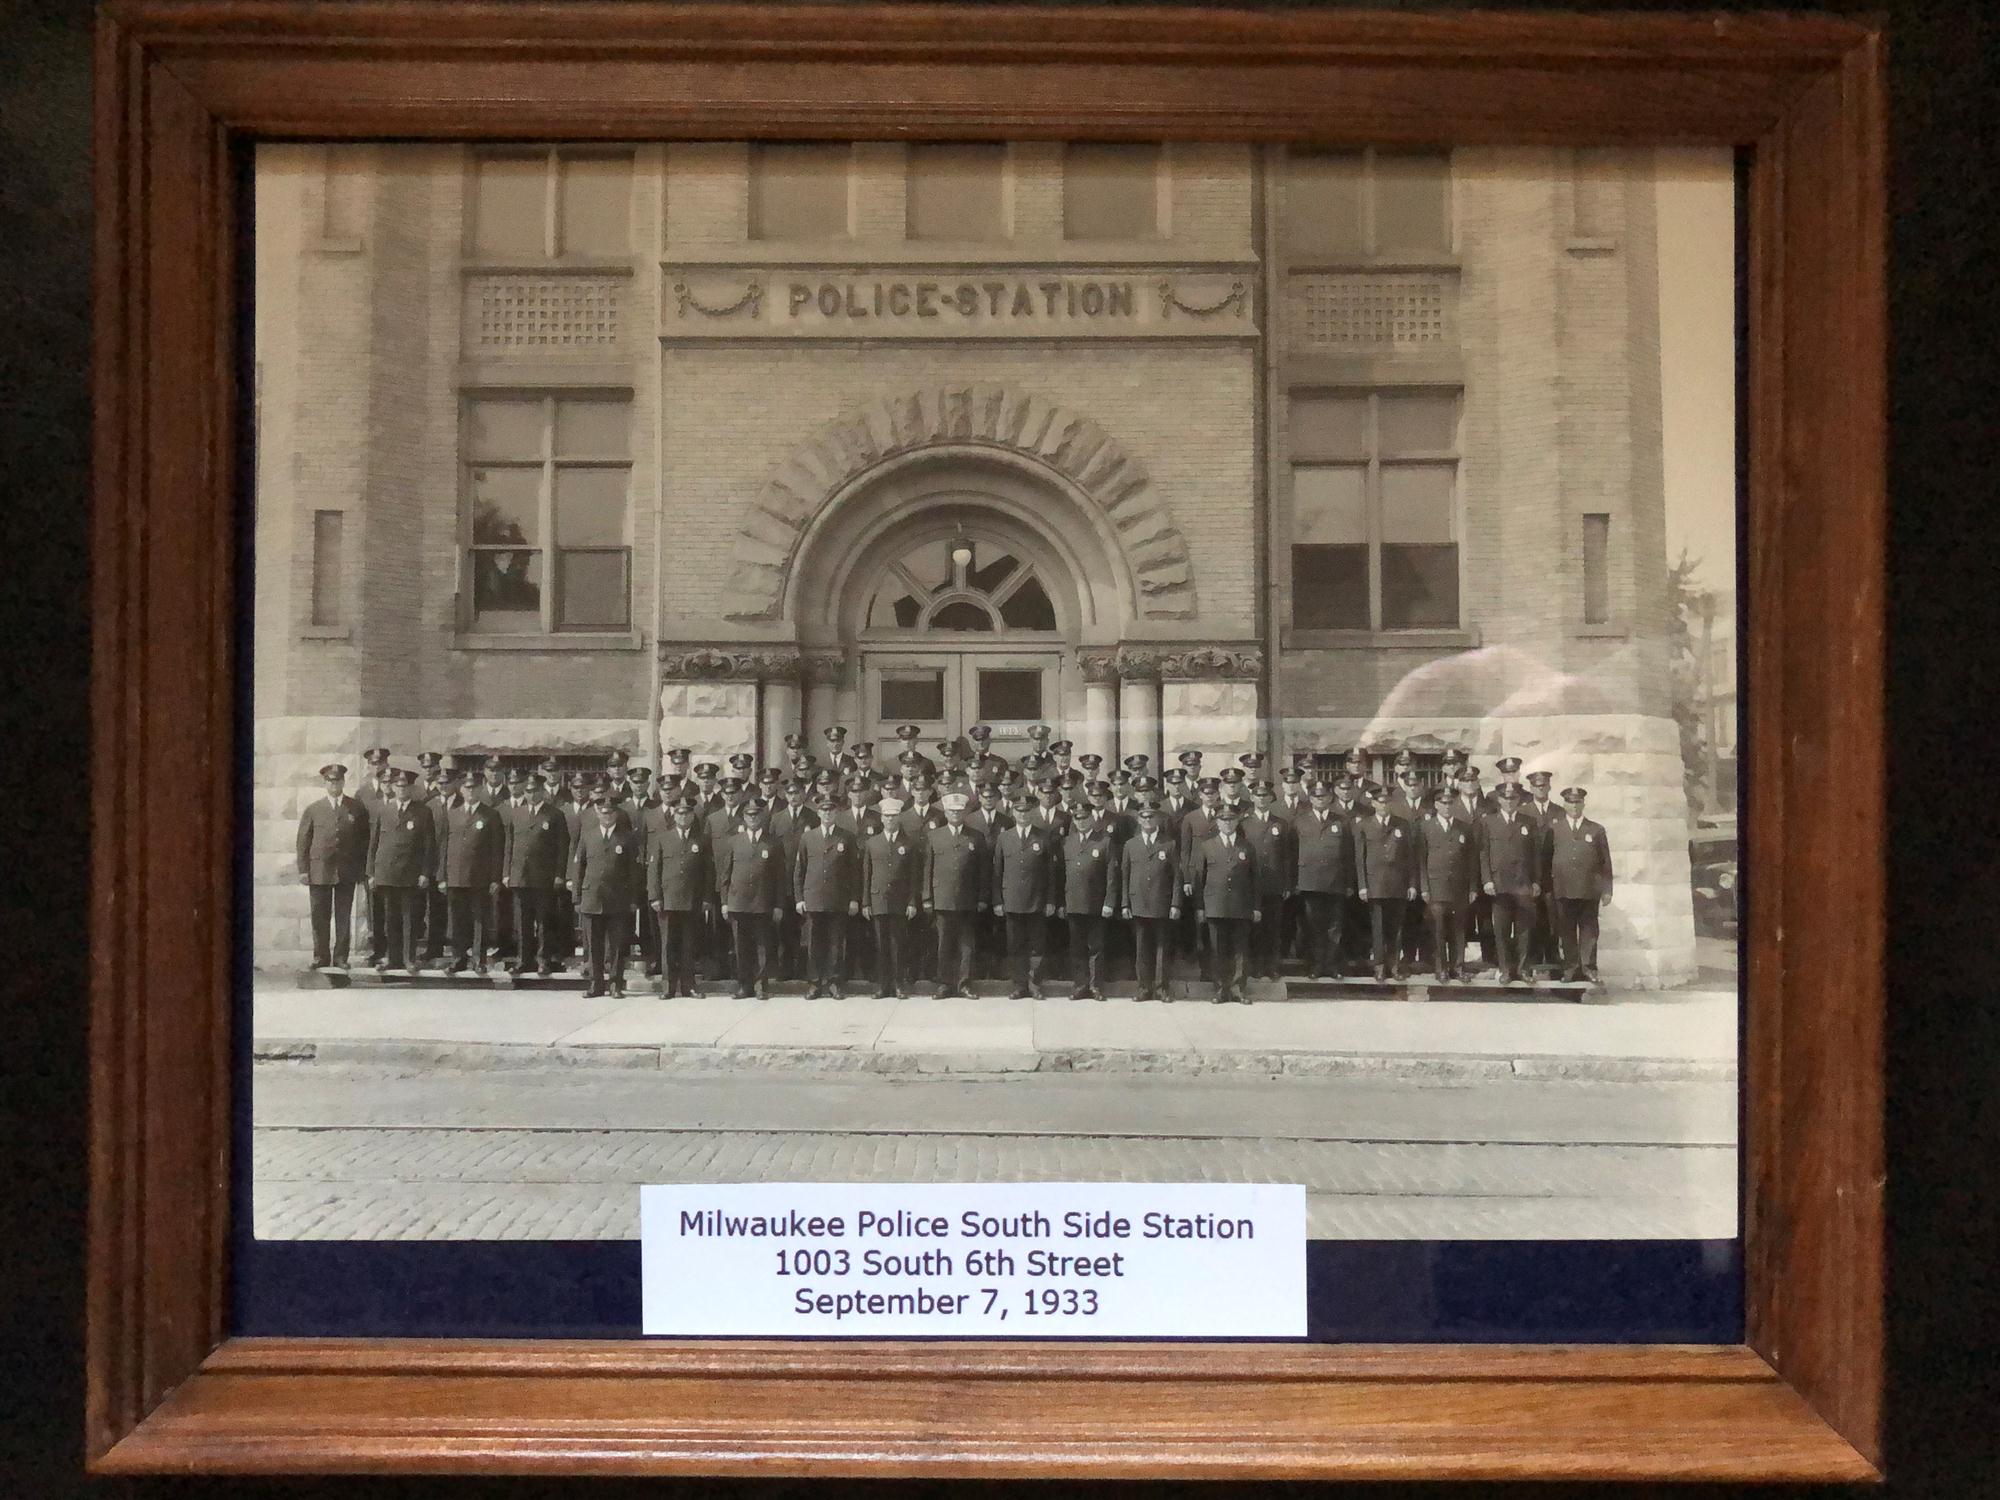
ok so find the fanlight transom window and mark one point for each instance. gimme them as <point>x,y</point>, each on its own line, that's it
<point>953,584</point>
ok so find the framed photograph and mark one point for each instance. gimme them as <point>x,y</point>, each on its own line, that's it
<point>984,741</point>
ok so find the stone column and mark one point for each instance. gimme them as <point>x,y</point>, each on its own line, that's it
<point>1139,717</point>
<point>821,673</point>
<point>783,703</point>
<point>1208,699</point>
<point>1098,733</point>
<point>708,696</point>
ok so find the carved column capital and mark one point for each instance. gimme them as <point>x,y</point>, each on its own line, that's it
<point>1189,662</point>
<point>681,661</point>
<point>1098,665</point>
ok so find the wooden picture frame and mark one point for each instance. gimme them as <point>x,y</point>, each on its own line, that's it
<point>182,88</point>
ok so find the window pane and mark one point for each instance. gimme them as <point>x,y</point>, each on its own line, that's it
<point>591,590</point>
<point>1419,587</point>
<point>961,614</point>
<point>917,696</point>
<point>1028,608</point>
<point>597,206</point>
<point>1330,587</point>
<point>326,592</point>
<point>1329,426</point>
<point>1412,202</point>
<point>955,191</point>
<point>1329,504</point>
<point>590,507</point>
<point>1010,694</point>
<point>504,429</point>
<point>987,574</point>
<point>930,564</point>
<point>1111,191</point>
<point>892,609</point>
<point>510,207</point>
<point>508,583</point>
<point>1596,569</point>
<point>507,506</point>
<point>1417,503</point>
<point>1323,204</point>
<point>1418,422</point>
<point>593,429</point>
<point>798,190</point>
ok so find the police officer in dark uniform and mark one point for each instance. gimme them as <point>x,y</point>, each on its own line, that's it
<point>470,863</point>
<point>1323,845</point>
<point>536,867</point>
<point>892,875</point>
<point>755,885</point>
<point>1277,869</point>
<point>826,885</point>
<point>1090,897</point>
<point>607,880</point>
<point>1149,882</point>
<point>1385,874</point>
<point>333,856</point>
<point>1025,874</point>
<point>1221,880</point>
<point>680,887</point>
<point>402,860</point>
<point>1578,856</point>
<point>1542,810</point>
<point>1447,871</point>
<point>377,791</point>
<point>957,872</point>
<point>1510,870</point>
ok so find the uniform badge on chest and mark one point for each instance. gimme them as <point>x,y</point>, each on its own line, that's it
<point>1097,854</point>
<point>478,822</point>
<point>617,848</point>
<point>1243,854</point>
<point>763,853</point>
<point>1161,856</point>
<point>410,827</point>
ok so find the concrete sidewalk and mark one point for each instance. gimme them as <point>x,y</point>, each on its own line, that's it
<point>1663,1035</point>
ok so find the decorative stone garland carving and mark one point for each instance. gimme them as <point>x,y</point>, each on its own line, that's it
<point>981,415</point>
<point>1172,662</point>
<point>682,663</point>
<point>750,301</point>
<point>1170,301</point>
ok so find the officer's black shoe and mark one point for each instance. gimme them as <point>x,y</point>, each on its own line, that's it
<point>1018,994</point>
<point>1381,976</point>
<point>744,994</point>
<point>763,992</point>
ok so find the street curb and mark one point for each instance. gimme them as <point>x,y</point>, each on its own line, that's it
<point>990,1063</point>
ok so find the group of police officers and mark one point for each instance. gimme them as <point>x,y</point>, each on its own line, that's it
<point>943,868</point>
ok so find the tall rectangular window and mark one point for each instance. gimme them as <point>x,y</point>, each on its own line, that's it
<point>1596,569</point>
<point>1374,517</point>
<point>957,191</point>
<point>799,190</point>
<point>547,481</point>
<point>328,608</point>
<point>1367,205</point>
<point>564,204</point>
<point>1111,191</point>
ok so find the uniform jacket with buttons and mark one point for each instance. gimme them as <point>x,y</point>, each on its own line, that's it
<point>863,823</point>
<point>1385,857</point>
<point>474,853</point>
<point>916,822</point>
<point>333,841</point>
<point>1276,843</point>
<point>1197,826</point>
<point>1149,874</point>
<point>606,869</point>
<point>1223,873</point>
<point>1325,851</point>
<point>957,869</point>
<point>752,873</point>
<point>892,872</point>
<point>402,845</point>
<point>537,846</point>
<point>1025,867</point>
<point>1447,859</point>
<point>826,870</point>
<point>1510,854</point>
<point>1578,860</point>
<point>1091,870</point>
<point>680,867</point>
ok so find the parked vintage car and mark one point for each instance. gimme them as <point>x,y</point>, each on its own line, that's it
<point>1712,868</point>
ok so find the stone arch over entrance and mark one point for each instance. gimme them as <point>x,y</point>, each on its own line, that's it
<point>1094,490</point>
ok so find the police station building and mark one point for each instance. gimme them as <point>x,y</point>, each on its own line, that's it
<point>1165,446</point>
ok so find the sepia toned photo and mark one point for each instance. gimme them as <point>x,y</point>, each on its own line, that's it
<point>841,661</point>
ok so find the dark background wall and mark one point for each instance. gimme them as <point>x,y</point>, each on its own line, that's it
<point>1945,907</point>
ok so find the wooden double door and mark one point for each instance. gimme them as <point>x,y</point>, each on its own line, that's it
<point>945,693</point>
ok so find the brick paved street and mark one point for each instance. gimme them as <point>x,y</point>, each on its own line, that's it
<point>367,1153</point>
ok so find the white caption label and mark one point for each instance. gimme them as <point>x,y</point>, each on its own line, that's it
<point>1011,1260</point>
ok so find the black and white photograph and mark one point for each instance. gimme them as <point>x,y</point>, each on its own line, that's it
<point>972,662</point>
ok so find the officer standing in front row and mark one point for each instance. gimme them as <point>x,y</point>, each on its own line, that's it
<point>333,857</point>
<point>402,855</point>
<point>956,874</point>
<point>1090,897</point>
<point>756,887</point>
<point>892,876</point>
<point>1579,861</point>
<point>535,866</point>
<point>1026,878</point>
<point>607,881</point>
<point>1385,872</point>
<point>1149,881</point>
<point>1222,882</point>
<point>826,882</point>
<point>1510,870</point>
<point>680,887</point>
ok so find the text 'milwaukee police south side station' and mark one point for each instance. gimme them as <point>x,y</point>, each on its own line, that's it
<point>1164,446</point>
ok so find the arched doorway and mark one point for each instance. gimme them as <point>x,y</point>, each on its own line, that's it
<point>959,625</point>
